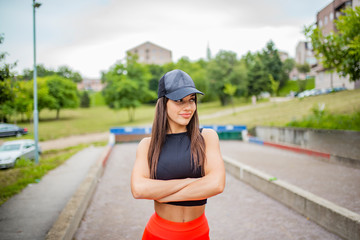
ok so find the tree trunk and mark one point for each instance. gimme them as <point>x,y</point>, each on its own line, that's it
<point>131,112</point>
<point>57,114</point>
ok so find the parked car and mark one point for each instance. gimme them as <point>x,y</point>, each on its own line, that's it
<point>12,151</point>
<point>8,130</point>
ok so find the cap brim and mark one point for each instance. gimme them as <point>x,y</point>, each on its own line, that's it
<point>182,92</point>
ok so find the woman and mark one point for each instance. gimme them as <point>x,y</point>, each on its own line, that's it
<point>180,166</point>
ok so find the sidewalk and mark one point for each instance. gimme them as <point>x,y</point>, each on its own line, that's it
<point>31,213</point>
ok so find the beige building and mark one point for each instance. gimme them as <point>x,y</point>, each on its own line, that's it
<point>150,53</point>
<point>325,20</point>
<point>90,85</point>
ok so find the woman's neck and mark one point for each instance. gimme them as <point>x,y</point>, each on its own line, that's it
<point>176,129</point>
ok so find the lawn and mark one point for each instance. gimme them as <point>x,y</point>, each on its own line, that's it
<point>279,114</point>
<point>86,120</point>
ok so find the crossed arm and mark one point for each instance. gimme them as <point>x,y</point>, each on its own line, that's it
<point>212,183</point>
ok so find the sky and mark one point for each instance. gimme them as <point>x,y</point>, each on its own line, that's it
<point>90,36</point>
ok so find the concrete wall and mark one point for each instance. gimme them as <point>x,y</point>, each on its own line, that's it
<point>331,80</point>
<point>340,144</point>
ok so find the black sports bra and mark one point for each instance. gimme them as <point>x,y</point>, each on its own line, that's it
<point>175,163</point>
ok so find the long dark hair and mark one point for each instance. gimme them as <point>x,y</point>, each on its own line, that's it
<point>159,130</point>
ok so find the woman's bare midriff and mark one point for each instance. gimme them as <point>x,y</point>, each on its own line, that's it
<point>178,213</point>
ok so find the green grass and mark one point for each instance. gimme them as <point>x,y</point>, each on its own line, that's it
<point>212,107</point>
<point>13,180</point>
<point>96,99</point>
<point>294,86</point>
<point>279,114</point>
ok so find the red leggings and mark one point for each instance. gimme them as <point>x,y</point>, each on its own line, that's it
<point>161,229</point>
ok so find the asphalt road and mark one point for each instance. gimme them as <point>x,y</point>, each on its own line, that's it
<point>240,212</point>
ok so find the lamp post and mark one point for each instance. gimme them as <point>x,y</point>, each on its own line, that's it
<point>36,117</point>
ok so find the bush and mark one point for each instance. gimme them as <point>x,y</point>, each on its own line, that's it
<point>323,119</point>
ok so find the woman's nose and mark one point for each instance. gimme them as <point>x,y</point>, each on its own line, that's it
<point>187,105</point>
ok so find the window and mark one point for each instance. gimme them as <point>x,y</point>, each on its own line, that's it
<point>320,23</point>
<point>326,20</point>
<point>338,14</point>
<point>331,16</point>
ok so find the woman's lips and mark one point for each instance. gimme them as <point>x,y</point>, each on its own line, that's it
<point>186,115</point>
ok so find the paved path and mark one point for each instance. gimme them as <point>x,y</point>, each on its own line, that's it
<point>30,214</point>
<point>74,140</point>
<point>336,183</point>
<point>239,213</point>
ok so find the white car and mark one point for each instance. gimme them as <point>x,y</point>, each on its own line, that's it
<point>11,151</point>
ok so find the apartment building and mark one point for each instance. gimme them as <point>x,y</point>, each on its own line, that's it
<point>303,55</point>
<point>325,20</point>
<point>151,53</point>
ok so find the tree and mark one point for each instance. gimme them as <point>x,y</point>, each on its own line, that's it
<point>230,90</point>
<point>156,72</point>
<point>339,50</point>
<point>6,85</point>
<point>225,68</point>
<point>288,66</point>
<point>272,63</point>
<point>274,85</point>
<point>304,69</point>
<point>127,86</point>
<point>85,100</point>
<point>25,97</point>
<point>258,79</point>
<point>5,68</point>
<point>41,71</point>
<point>66,72</point>
<point>64,92</point>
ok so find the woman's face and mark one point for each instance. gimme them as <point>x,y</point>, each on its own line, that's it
<point>180,112</point>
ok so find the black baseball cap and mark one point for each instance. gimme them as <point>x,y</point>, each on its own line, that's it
<point>176,85</point>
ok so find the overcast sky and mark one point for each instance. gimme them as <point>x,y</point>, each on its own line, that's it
<point>91,35</point>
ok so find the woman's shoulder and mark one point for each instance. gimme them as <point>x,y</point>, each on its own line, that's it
<point>144,143</point>
<point>209,134</point>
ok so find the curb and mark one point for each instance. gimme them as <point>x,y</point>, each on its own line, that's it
<point>348,162</point>
<point>332,217</point>
<point>70,217</point>
<point>291,148</point>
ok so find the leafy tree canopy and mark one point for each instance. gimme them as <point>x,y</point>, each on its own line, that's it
<point>127,85</point>
<point>339,50</point>
<point>64,91</point>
